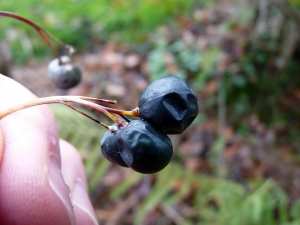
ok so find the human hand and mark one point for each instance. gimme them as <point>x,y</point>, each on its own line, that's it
<point>42,178</point>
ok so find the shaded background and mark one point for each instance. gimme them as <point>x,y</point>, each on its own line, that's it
<point>238,163</point>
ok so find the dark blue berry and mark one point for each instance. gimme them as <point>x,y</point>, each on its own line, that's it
<point>169,104</point>
<point>66,75</point>
<point>110,148</point>
<point>144,148</point>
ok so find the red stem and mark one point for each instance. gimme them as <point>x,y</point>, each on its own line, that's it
<point>36,27</point>
<point>80,100</point>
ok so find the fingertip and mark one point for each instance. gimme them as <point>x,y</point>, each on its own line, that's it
<point>72,165</point>
<point>74,176</point>
<point>84,213</point>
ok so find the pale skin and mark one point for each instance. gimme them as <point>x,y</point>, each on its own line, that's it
<point>42,179</point>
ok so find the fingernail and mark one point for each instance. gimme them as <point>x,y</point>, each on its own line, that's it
<point>59,187</point>
<point>81,200</point>
<point>1,146</point>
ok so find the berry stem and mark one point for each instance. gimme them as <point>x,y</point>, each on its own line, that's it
<point>40,30</point>
<point>61,100</point>
<point>97,99</point>
<point>134,112</point>
<point>86,115</point>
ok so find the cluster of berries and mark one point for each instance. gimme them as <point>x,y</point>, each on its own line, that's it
<point>167,106</point>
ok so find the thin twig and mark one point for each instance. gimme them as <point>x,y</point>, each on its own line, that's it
<point>172,214</point>
<point>97,99</point>
<point>122,208</point>
<point>86,115</point>
<point>39,29</point>
<point>58,99</point>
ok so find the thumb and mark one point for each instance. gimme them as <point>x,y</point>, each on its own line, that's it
<point>32,189</point>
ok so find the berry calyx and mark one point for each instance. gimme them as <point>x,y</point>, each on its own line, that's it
<point>169,104</point>
<point>63,74</point>
<point>144,148</point>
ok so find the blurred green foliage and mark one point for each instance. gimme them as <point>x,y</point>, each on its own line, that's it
<point>80,23</point>
<point>186,58</point>
<point>216,201</point>
<point>257,81</point>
